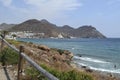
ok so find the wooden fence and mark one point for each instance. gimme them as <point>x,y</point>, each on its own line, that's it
<point>28,59</point>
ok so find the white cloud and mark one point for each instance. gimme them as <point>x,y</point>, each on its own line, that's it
<point>52,7</point>
<point>6,2</point>
<point>49,9</point>
<point>54,4</point>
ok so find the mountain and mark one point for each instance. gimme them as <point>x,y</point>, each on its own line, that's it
<point>34,25</point>
<point>5,26</point>
<point>65,29</point>
<point>51,30</point>
<point>87,32</point>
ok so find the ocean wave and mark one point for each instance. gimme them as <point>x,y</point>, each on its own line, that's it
<point>106,70</point>
<point>90,59</point>
<point>100,69</point>
<point>81,64</point>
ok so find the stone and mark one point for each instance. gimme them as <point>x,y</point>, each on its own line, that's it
<point>89,70</point>
<point>43,47</point>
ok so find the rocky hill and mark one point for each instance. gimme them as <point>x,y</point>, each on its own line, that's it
<point>87,32</point>
<point>5,26</point>
<point>51,30</point>
<point>34,25</point>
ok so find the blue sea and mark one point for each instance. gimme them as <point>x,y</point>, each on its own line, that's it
<point>97,54</point>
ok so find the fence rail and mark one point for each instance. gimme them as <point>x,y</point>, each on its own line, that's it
<point>28,59</point>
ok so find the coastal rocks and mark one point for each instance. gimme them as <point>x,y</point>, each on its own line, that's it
<point>57,58</point>
<point>66,54</point>
<point>45,58</point>
<point>69,54</point>
<point>84,66</point>
<point>88,70</point>
<point>43,47</point>
<point>73,65</point>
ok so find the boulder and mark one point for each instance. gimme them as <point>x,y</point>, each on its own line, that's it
<point>89,70</point>
<point>43,47</point>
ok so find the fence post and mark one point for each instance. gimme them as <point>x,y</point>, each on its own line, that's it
<point>2,42</point>
<point>20,63</point>
<point>2,45</point>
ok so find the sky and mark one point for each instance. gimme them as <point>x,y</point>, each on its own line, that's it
<point>104,15</point>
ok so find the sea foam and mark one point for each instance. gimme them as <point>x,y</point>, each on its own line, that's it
<point>106,70</point>
<point>116,71</point>
<point>90,59</point>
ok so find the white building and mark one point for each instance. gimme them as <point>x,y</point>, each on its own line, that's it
<point>60,36</point>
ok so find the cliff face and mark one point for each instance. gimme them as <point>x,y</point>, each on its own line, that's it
<point>51,30</point>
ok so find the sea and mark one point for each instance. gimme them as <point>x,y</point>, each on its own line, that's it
<point>97,54</point>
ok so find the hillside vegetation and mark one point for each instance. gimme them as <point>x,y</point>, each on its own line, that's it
<point>55,61</point>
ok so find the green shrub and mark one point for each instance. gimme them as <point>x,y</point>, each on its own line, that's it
<point>60,51</point>
<point>33,74</point>
<point>14,42</point>
<point>66,75</point>
<point>8,56</point>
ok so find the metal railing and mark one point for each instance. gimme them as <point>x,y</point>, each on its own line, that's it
<point>21,53</point>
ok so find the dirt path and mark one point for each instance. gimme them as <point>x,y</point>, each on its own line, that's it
<point>4,74</point>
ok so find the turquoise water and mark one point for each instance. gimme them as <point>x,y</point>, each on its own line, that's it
<point>97,54</point>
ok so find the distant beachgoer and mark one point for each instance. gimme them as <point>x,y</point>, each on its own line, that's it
<point>114,66</point>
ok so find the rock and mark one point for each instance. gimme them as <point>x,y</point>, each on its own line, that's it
<point>84,66</point>
<point>9,66</point>
<point>55,57</point>
<point>73,65</point>
<point>15,73</point>
<point>68,54</point>
<point>43,47</point>
<point>89,70</point>
<point>44,56</point>
<point>46,60</point>
<point>71,55</point>
<point>79,55</point>
<point>23,74</point>
<point>60,59</point>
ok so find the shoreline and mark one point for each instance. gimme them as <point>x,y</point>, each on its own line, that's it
<point>87,69</point>
<point>97,73</point>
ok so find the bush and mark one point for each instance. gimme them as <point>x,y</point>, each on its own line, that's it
<point>66,75</point>
<point>8,56</point>
<point>14,42</point>
<point>60,51</point>
<point>33,74</point>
